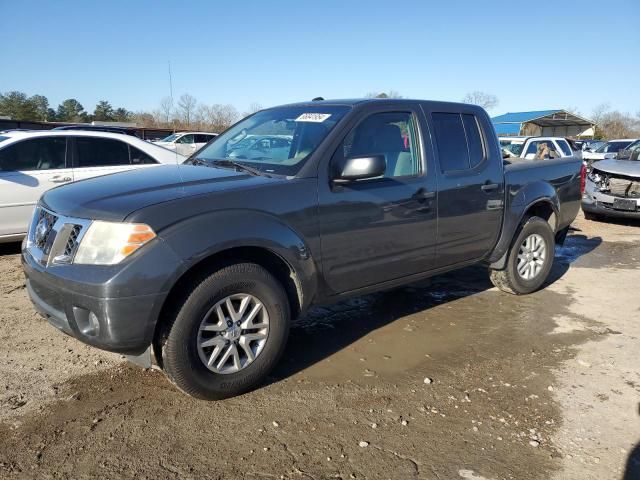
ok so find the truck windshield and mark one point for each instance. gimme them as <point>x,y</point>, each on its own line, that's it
<point>514,148</point>
<point>277,140</point>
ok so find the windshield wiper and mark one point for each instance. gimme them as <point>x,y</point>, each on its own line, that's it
<point>241,166</point>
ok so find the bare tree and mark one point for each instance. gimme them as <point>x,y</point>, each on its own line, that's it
<point>485,100</point>
<point>166,108</point>
<point>253,108</point>
<point>218,118</point>
<point>186,108</point>
<point>600,111</point>
<point>389,94</point>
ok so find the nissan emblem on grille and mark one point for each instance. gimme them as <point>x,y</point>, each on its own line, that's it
<point>42,229</point>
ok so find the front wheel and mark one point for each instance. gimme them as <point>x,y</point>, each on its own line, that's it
<point>530,259</point>
<point>228,334</point>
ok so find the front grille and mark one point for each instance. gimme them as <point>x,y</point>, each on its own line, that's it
<point>72,242</point>
<point>54,238</point>
<point>44,229</point>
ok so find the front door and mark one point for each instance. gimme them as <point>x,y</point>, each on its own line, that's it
<point>28,169</point>
<point>380,229</point>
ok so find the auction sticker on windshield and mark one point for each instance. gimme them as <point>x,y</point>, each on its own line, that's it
<point>313,117</point>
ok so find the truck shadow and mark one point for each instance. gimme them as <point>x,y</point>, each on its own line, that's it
<point>12,248</point>
<point>324,331</point>
<point>632,468</point>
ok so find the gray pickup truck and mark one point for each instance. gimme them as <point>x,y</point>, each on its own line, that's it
<point>203,265</point>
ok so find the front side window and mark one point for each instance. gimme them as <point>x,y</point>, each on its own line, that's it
<point>185,139</point>
<point>46,153</point>
<point>391,134</point>
<point>302,129</point>
<point>459,141</point>
<point>100,152</point>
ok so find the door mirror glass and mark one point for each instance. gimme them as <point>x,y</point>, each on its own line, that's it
<point>360,168</point>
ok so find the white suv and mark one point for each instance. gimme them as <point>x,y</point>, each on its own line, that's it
<point>186,143</point>
<point>32,162</point>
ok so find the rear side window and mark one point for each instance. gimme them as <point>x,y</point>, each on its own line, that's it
<point>100,152</point>
<point>138,157</point>
<point>203,138</point>
<point>36,154</point>
<point>452,144</point>
<point>564,146</point>
<point>474,139</point>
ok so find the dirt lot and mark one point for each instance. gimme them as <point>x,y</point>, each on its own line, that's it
<point>535,387</point>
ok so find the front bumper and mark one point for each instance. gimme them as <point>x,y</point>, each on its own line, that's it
<point>114,308</point>
<point>602,204</point>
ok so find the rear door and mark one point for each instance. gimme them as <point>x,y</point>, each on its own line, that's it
<point>95,156</point>
<point>384,228</point>
<point>29,168</point>
<point>470,186</point>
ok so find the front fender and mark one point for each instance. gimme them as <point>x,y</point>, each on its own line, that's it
<point>197,238</point>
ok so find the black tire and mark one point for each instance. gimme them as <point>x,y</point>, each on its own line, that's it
<point>180,359</point>
<point>591,216</point>
<point>509,280</point>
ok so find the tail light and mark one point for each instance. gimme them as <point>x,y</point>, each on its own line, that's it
<point>583,177</point>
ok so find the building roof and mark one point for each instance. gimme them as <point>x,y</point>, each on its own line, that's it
<point>507,128</point>
<point>543,118</point>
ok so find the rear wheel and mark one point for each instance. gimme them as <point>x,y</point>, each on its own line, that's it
<point>228,334</point>
<point>529,260</point>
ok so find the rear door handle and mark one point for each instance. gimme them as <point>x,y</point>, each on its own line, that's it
<point>59,179</point>
<point>423,194</point>
<point>488,187</point>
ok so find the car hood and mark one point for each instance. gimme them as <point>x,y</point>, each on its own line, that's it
<point>114,197</point>
<point>629,168</point>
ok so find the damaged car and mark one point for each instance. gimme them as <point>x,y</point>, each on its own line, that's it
<point>612,188</point>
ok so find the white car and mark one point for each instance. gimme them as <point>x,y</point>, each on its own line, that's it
<point>527,147</point>
<point>608,150</point>
<point>32,162</point>
<point>186,143</point>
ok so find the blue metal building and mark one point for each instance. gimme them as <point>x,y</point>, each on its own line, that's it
<point>552,123</point>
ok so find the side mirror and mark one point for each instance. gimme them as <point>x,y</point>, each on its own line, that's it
<point>505,154</point>
<point>360,168</point>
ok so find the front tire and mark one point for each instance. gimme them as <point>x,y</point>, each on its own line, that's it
<point>228,334</point>
<point>529,260</point>
<point>591,216</point>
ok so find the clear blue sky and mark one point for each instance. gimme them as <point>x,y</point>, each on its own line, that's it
<point>532,55</point>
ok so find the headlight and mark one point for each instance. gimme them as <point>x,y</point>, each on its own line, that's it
<point>108,243</point>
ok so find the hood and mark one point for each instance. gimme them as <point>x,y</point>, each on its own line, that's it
<point>114,197</point>
<point>629,168</point>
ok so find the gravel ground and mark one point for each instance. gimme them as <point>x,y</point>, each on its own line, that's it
<point>442,380</point>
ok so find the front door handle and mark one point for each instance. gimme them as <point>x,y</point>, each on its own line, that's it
<point>488,187</point>
<point>59,179</point>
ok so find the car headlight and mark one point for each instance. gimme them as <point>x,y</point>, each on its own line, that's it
<point>108,243</point>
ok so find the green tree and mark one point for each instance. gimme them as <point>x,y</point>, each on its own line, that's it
<point>71,110</point>
<point>17,106</point>
<point>41,106</point>
<point>122,115</point>
<point>103,111</point>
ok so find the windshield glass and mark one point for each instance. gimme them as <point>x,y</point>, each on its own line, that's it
<point>278,140</point>
<point>611,147</point>
<point>514,148</point>
<point>171,138</point>
<point>3,138</point>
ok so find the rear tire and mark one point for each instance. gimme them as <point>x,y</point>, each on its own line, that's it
<point>205,319</point>
<point>529,260</point>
